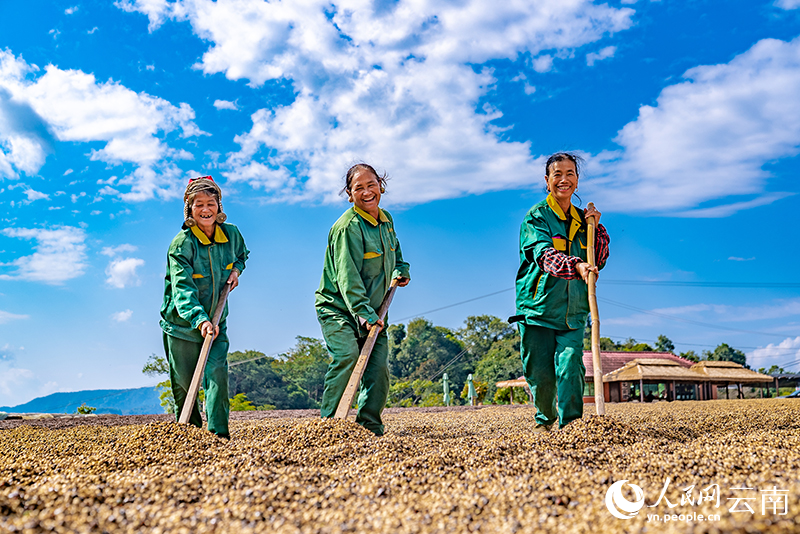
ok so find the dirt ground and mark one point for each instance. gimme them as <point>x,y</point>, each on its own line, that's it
<point>436,470</point>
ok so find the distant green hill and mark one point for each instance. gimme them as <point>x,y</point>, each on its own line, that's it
<point>119,401</point>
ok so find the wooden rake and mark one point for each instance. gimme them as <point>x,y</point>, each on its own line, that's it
<point>599,398</point>
<point>194,387</point>
<point>358,371</point>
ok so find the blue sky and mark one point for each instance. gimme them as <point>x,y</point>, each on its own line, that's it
<point>686,113</point>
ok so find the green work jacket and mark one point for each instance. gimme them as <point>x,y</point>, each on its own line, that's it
<point>544,299</point>
<point>197,267</point>
<point>362,258</point>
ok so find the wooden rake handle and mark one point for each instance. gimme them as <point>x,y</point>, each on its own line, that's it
<point>599,398</point>
<point>358,371</point>
<point>194,387</point>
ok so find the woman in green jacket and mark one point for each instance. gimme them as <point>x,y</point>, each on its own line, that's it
<point>205,254</point>
<point>362,258</point>
<point>552,294</point>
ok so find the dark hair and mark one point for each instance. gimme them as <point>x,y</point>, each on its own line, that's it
<point>362,167</point>
<point>561,156</point>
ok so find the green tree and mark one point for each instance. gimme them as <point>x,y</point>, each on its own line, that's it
<point>305,366</point>
<point>159,366</point>
<point>502,362</point>
<point>503,396</point>
<point>606,344</point>
<point>263,384</point>
<point>772,370</point>
<point>480,332</point>
<point>424,352</point>
<point>86,410</point>
<point>664,344</point>
<point>417,392</point>
<point>690,355</point>
<point>725,353</point>
<point>239,403</point>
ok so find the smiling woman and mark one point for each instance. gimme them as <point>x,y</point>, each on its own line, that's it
<point>362,258</point>
<point>205,254</point>
<point>552,298</point>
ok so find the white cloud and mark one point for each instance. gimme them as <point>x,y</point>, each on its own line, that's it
<point>225,104</point>
<point>120,249</point>
<point>779,309</point>
<point>36,195</point>
<point>736,258</point>
<point>605,53</point>
<point>788,4</point>
<point>70,10</point>
<point>393,84</point>
<point>122,316</point>
<point>785,354</point>
<point>6,317</point>
<point>68,172</point>
<point>90,32</point>
<point>12,378</point>
<point>707,138</point>
<point>122,273</point>
<point>59,254</point>
<point>71,106</point>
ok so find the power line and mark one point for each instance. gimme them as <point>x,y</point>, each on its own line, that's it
<point>454,305</point>
<point>689,321</point>
<point>742,285</point>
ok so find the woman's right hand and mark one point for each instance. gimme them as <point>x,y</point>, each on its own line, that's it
<point>207,327</point>
<point>584,269</point>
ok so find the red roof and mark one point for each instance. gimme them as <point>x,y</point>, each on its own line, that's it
<point>614,360</point>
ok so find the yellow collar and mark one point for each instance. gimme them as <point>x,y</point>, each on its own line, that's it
<point>557,209</point>
<point>219,235</point>
<point>369,218</point>
<point>576,217</point>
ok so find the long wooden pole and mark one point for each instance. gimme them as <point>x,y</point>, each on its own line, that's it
<point>599,397</point>
<point>194,387</point>
<point>358,371</point>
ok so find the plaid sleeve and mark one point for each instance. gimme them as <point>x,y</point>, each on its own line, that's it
<point>601,246</point>
<point>559,264</point>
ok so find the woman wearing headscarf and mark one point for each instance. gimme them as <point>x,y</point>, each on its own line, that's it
<point>362,258</point>
<point>205,254</point>
<point>552,294</point>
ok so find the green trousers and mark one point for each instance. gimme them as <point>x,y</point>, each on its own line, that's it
<point>553,364</point>
<point>182,356</point>
<point>344,346</point>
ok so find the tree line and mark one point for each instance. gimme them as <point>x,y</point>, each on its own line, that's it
<point>419,354</point>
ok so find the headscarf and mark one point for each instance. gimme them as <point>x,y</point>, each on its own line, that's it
<point>202,184</point>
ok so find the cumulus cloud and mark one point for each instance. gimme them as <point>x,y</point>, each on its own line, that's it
<point>72,106</point>
<point>59,254</point>
<point>6,317</point>
<point>225,104</point>
<point>12,378</point>
<point>122,273</point>
<point>788,4</point>
<point>122,316</point>
<point>707,138</point>
<point>119,249</point>
<point>395,84</point>
<point>70,10</point>
<point>35,195</point>
<point>605,53</point>
<point>779,309</point>
<point>784,354</point>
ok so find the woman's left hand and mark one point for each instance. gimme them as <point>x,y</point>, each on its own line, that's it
<point>233,279</point>
<point>402,281</point>
<point>591,211</point>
